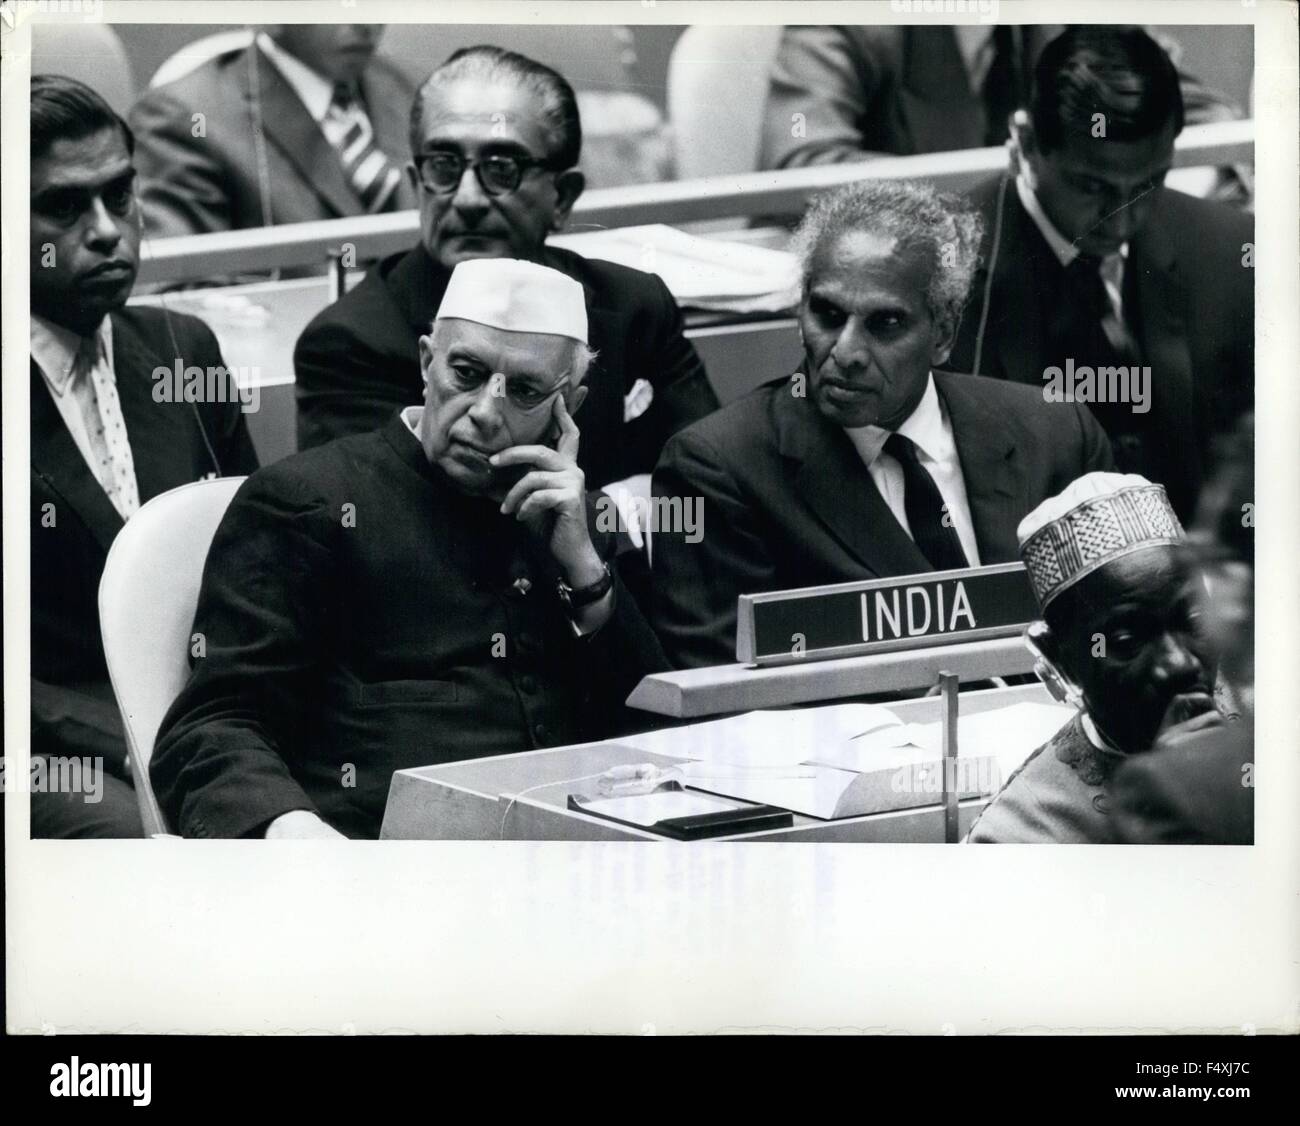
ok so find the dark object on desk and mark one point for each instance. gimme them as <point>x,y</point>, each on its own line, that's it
<point>358,360</point>
<point>700,826</point>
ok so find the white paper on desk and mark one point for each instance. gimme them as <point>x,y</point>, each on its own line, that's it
<point>706,273</point>
<point>782,738</point>
<point>818,796</point>
<point>649,809</point>
<point>1009,735</point>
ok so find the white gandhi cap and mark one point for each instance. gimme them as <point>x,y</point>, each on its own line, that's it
<point>517,296</point>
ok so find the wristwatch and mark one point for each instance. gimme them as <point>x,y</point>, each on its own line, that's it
<point>585,595</point>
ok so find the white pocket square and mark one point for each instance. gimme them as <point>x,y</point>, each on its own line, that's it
<point>637,401</point>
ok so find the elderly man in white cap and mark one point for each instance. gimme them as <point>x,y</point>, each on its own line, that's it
<point>432,591</point>
<point>1119,639</point>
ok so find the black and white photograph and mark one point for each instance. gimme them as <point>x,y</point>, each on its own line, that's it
<point>687,479</point>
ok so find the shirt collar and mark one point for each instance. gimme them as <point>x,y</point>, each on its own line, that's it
<point>925,426</point>
<point>411,419</point>
<point>1065,251</point>
<point>54,348</point>
<point>975,45</point>
<point>314,90</point>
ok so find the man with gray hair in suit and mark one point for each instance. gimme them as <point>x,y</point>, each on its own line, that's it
<point>868,461</point>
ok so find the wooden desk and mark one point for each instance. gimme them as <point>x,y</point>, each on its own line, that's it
<point>523,797</point>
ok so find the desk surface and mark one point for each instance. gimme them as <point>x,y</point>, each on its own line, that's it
<point>524,796</point>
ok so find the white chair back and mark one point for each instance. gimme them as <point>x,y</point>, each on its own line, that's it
<point>717,93</point>
<point>147,597</point>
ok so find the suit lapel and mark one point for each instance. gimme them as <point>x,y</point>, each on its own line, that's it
<point>291,129</point>
<point>990,467</point>
<point>58,462</point>
<point>830,477</point>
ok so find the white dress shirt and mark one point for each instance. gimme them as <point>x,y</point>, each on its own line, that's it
<point>930,430</point>
<point>1112,266</point>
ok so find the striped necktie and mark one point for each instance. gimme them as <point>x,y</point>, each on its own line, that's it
<point>101,412</point>
<point>372,176</point>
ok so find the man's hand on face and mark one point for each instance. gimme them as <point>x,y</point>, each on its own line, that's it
<point>550,499</point>
<point>301,825</point>
<point>1187,714</point>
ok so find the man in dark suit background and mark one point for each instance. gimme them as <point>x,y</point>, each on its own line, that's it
<point>304,124</point>
<point>106,436</point>
<point>495,138</point>
<point>866,463</point>
<point>1089,261</point>
<point>844,93</point>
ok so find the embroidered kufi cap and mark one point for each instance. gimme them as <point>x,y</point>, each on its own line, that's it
<point>1097,518</point>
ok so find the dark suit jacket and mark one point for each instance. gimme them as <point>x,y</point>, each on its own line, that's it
<point>878,89</point>
<point>787,501</point>
<point>341,650</point>
<point>358,360</point>
<point>1195,792</point>
<point>74,523</point>
<point>211,183</point>
<point>1188,299</point>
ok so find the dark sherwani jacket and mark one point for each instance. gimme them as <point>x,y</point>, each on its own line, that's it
<point>359,359</point>
<point>73,523</point>
<point>787,501</point>
<point>363,616</point>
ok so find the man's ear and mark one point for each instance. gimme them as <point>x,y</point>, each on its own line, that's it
<point>945,335</point>
<point>426,358</point>
<point>575,397</point>
<point>568,186</point>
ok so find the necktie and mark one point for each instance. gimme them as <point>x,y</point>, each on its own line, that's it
<point>1085,293</point>
<point>1004,90</point>
<point>925,508</point>
<point>369,171</point>
<point>101,411</point>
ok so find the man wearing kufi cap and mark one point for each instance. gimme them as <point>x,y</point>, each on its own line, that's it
<point>1119,639</point>
<point>432,591</point>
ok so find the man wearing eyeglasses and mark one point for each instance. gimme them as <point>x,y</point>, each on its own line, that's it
<point>495,139</point>
<point>431,591</point>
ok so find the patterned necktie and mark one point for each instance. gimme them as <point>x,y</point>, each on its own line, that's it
<point>101,411</point>
<point>368,170</point>
<point>925,509</point>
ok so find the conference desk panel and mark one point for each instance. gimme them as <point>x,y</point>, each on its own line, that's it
<point>524,796</point>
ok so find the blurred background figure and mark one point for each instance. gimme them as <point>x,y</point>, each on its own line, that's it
<point>1198,788</point>
<point>302,122</point>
